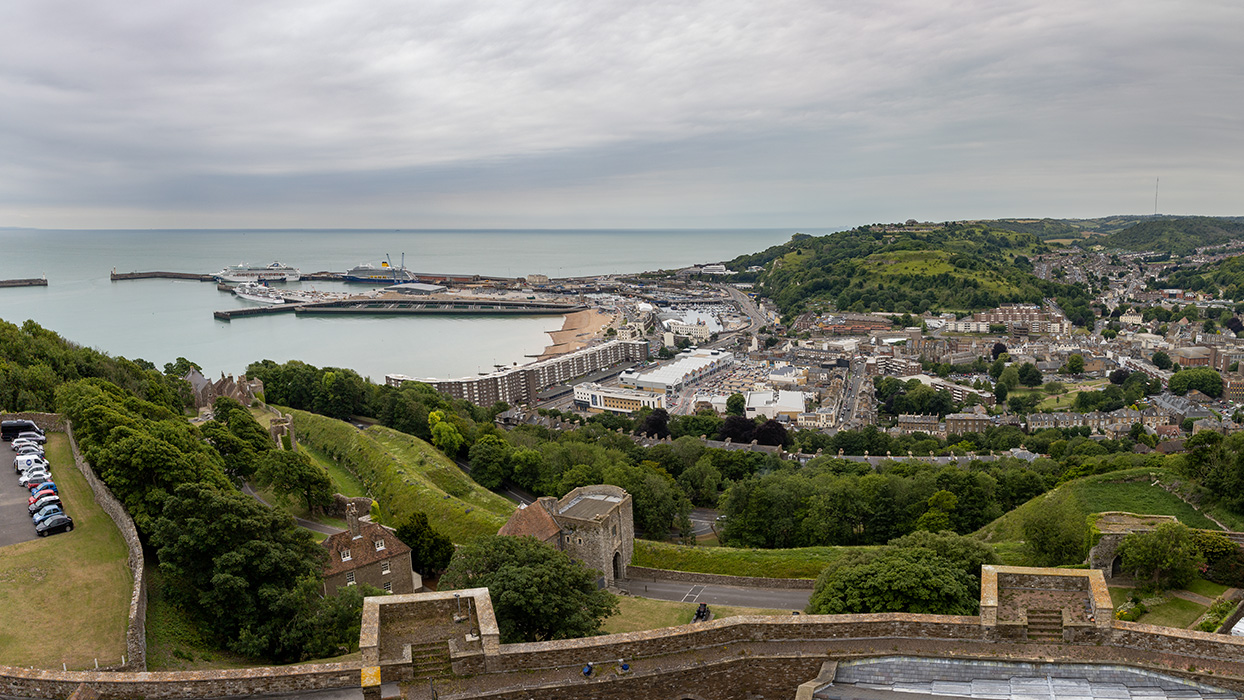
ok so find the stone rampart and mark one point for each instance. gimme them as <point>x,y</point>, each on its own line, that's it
<point>1169,640</point>
<point>136,630</point>
<point>112,685</point>
<point>643,572</point>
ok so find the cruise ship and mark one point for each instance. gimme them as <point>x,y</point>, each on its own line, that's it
<point>259,293</point>
<point>385,274</point>
<point>275,272</point>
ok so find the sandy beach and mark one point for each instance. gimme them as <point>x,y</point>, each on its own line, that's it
<point>579,329</point>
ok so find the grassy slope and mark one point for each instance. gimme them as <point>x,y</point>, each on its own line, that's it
<point>772,563</point>
<point>1106,492</point>
<point>406,474</point>
<point>65,598</point>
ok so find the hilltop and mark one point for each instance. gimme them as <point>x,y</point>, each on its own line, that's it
<point>1177,236</point>
<point>913,268</point>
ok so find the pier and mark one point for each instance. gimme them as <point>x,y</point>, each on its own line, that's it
<point>446,306</point>
<point>231,314</point>
<point>32,282</point>
<point>120,276</point>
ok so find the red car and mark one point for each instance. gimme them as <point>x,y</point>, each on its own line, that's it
<point>36,496</point>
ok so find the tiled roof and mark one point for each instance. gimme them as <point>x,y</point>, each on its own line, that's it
<point>533,520</point>
<point>363,550</point>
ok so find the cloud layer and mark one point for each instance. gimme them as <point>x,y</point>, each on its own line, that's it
<point>559,113</point>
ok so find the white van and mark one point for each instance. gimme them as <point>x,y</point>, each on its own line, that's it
<point>23,462</point>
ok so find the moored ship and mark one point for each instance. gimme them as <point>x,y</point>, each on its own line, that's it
<point>274,272</point>
<point>258,292</point>
<point>385,274</point>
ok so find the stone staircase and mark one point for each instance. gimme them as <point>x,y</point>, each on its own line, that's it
<point>430,660</point>
<point>1045,625</point>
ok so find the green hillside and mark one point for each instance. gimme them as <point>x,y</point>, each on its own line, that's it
<point>1130,490</point>
<point>958,267</point>
<point>1224,278</point>
<point>405,474</point>
<point>1177,236</point>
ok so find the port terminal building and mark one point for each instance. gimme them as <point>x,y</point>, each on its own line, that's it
<point>520,385</point>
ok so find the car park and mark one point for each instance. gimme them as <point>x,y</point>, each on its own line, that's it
<point>34,475</point>
<point>47,512</point>
<point>39,494</point>
<point>32,436</point>
<point>56,523</point>
<point>43,502</point>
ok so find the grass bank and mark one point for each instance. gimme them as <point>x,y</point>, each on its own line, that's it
<point>405,474</point>
<point>805,562</point>
<point>65,599</point>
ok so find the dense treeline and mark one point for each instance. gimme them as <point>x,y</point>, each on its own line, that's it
<point>35,361</point>
<point>1177,235</point>
<point>960,268</point>
<point>245,571</point>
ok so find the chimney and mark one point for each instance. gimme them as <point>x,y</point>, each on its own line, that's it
<point>352,520</point>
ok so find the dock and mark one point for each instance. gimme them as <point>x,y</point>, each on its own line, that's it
<point>410,307</point>
<point>231,314</point>
<point>31,282</point>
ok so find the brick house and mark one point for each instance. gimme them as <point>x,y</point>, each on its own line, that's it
<point>368,553</point>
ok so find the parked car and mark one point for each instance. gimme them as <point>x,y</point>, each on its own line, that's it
<point>38,476</point>
<point>41,485</point>
<point>54,524</point>
<point>36,450</point>
<point>18,444</point>
<point>32,436</point>
<point>47,512</point>
<point>44,502</point>
<point>39,494</point>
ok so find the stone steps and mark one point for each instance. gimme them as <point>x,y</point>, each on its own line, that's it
<point>430,660</point>
<point>1045,625</point>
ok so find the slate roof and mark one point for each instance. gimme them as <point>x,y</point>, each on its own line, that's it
<point>533,520</point>
<point>363,550</point>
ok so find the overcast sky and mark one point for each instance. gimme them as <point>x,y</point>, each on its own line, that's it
<point>551,113</point>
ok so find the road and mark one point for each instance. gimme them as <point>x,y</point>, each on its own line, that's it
<point>771,598</point>
<point>15,523</point>
<point>702,520</point>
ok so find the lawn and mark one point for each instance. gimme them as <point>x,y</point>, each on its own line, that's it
<point>805,562</point>
<point>1209,589</point>
<point>638,614</point>
<point>1068,399</point>
<point>1175,613</point>
<point>65,599</point>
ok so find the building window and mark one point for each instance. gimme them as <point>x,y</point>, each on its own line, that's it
<point>384,567</point>
<point>379,545</point>
<point>349,578</point>
<point>345,555</point>
<point>388,586</point>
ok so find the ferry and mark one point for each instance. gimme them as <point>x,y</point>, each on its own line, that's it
<point>259,293</point>
<point>275,272</point>
<point>385,274</point>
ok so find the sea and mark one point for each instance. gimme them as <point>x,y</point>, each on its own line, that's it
<point>159,320</point>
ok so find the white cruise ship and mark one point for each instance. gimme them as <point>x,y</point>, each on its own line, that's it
<point>258,292</point>
<point>275,272</point>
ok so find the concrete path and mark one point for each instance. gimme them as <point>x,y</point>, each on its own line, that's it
<point>773,598</point>
<point>1193,597</point>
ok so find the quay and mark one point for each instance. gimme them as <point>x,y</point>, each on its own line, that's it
<point>231,314</point>
<point>32,282</point>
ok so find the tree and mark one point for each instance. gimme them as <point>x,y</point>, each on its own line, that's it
<point>430,551</point>
<point>490,461</point>
<point>735,405</point>
<point>1203,379</point>
<point>998,349</point>
<point>738,429</point>
<point>1161,360</point>
<point>538,593</point>
<point>445,436</point>
<point>1000,393</point>
<point>1119,376</point>
<point>1075,364</point>
<point>1029,375</point>
<point>894,579</point>
<point>656,423</point>
<point>292,473</point>
<point>771,432</point>
<point>1166,557</point>
<point>1055,531</point>
<point>1010,377</point>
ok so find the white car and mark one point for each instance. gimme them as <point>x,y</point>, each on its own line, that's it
<point>35,476</point>
<point>23,442</point>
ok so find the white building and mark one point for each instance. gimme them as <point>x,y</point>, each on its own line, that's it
<point>772,404</point>
<point>595,398</point>
<point>698,331</point>
<point>687,368</point>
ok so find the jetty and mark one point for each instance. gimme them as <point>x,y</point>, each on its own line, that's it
<point>120,276</point>
<point>371,305</point>
<point>31,282</point>
<point>231,314</point>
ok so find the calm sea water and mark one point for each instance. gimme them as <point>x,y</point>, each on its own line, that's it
<point>159,320</point>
